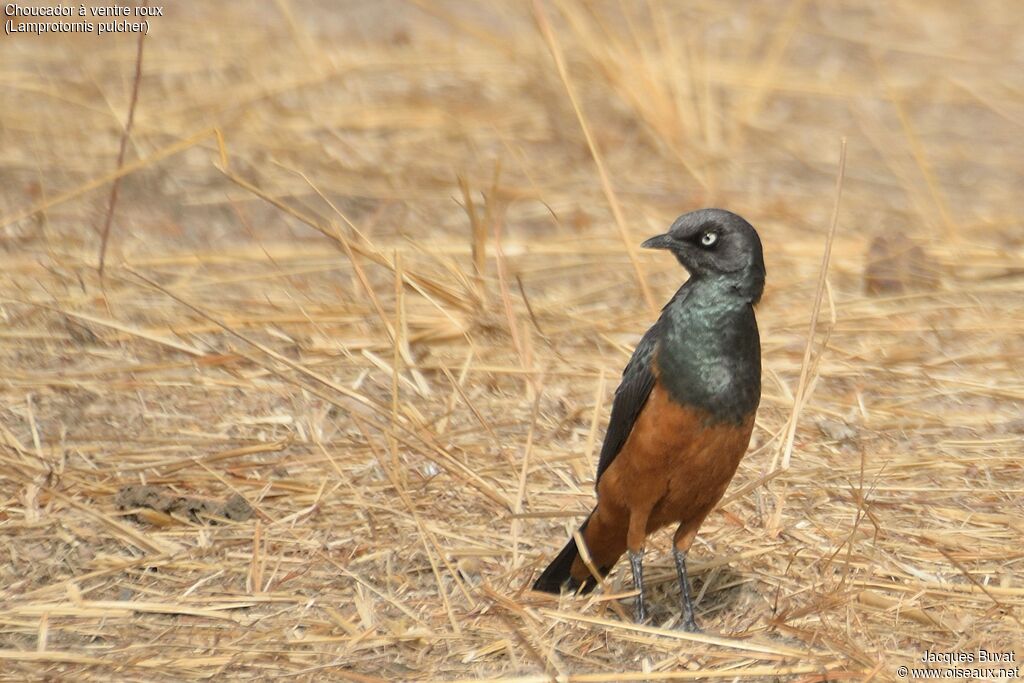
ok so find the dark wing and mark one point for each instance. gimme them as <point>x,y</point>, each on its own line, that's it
<point>636,385</point>
<point>630,397</point>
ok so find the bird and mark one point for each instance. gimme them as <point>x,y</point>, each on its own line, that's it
<point>683,413</point>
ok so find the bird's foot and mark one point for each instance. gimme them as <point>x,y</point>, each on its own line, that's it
<point>689,626</point>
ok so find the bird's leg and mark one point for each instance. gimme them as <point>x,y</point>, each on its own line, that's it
<point>689,624</point>
<point>636,563</point>
<point>635,535</point>
<point>685,535</point>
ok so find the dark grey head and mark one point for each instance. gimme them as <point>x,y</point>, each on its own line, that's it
<point>716,243</point>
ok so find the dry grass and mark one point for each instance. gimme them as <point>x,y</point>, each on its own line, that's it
<point>390,310</point>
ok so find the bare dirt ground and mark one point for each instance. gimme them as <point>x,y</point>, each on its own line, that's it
<point>372,275</point>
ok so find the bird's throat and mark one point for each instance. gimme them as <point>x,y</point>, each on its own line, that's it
<point>709,355</point>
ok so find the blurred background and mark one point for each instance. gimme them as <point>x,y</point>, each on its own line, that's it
<point>370,273</point>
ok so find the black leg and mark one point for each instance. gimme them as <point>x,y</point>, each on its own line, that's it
<point>636,564</point>
<point>688,624</point>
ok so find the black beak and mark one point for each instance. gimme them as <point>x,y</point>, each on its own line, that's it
<point>665,241</point>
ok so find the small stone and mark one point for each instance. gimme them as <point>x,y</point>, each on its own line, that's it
<point>837,431</point>
<point>895,264</point>
<point>237,509</point>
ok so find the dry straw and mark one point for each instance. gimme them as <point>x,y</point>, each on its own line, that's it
<point>373,271</point>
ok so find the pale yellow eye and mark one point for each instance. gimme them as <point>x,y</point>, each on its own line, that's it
<point>709,238</point>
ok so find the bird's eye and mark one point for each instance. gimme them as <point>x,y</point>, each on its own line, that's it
<point>709,238</point>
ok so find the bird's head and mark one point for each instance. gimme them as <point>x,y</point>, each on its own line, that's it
<point>716,243</point>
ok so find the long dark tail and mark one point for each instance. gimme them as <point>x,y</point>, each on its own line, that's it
<point>558,575</point>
